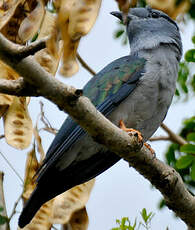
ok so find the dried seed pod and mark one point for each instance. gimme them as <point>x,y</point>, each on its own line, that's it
<point>32,166</point>
<point>41,219</point>
<point>78,221</point>
<point>70,65</point>
<point>49,61</point>
<point>6,73</point>
<point>82,17</point>
<point>17,124</point>
<point>7,10</point>
<point>31,24</point>
<point>171,7</point>
<point>66,204</point>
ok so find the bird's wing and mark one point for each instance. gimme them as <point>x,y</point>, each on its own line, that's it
<point>106,91</point>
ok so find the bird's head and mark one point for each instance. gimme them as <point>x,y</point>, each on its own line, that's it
<point>147,28</point>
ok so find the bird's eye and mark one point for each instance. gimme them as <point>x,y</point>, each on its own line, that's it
<point>155,15</point>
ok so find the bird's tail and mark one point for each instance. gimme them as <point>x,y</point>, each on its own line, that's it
<point>30,208</point>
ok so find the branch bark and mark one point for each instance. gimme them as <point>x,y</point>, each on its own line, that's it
<point>69,99</point>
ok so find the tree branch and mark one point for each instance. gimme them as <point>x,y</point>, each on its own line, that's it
<point>85,65</point>
<point>160,138</point>
<point>173,136</point>
<point>162,176</point>
<point>17,87</point>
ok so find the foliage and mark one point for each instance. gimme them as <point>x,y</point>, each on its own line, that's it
<point>3,219</point>
<point>186,76</point>
<point>125,223</point>
<point>182,158</point>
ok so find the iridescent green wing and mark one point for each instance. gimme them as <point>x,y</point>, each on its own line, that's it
<point>106,90</point>
<point>126,70</point>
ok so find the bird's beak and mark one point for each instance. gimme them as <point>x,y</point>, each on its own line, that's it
<point>117,14</point>
<point>124,18</point>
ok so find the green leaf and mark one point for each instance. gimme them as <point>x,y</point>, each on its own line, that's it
<point>183,76</point>
<point>188,148</point>
<point>177,92</point>
<point>193,39</point>
<point>161,204</point>
<point>193,82</point>
<point>1,209</point>
<point>191,137</point>
<point>192,173</point>
<point>3,219</point>
<point>118,33</point>
<point>184,161</point>
<point>144,215</point>
<point>190,55</point>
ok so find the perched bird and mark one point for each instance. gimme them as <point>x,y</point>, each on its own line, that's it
<point>134,90</point>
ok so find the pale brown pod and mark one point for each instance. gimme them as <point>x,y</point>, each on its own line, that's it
<point>7,10</point>
<point>82,17</point>
<point>6,100</point>
<point>41,219</point>
<point>171,7</point>
<point>31,24</point>
<point>70,65</point>
<point>66,204</point>
<point>18,124</point>
<point>79,221</point>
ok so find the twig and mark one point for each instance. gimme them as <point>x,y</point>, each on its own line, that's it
<point>14,208</point>
<point>25,51</point>
<point>2,203</point>
<point>10,165</point>
<point>174,137</point>
<point>21,52</point>
<point>2,136</point>
<point>54,227</point>
<point>85,65</point>
<point>160,138</point>
<point>48,127</point>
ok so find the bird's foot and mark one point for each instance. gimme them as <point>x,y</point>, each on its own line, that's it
<point>150,148</point>
<point>131,131</point>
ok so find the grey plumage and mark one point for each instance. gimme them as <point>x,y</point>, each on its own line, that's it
<point>140,95</point>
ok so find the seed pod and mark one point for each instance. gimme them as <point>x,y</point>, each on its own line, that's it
<point>70,65</point>
<point>66,204</point>
<point>17,124</point>
<point>82,17</point>
<point>31,24</point>
<point>47,59</point>
<point>40,220</point>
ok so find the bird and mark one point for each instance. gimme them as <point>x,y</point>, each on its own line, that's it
<point>133,91</point>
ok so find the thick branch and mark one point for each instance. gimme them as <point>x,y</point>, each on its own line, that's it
<point>18,51</point>
<point>163,177</point>
<point>17,87</point>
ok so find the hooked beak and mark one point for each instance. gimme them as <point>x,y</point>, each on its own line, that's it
<point>117,14</point>
<point>124,18</point>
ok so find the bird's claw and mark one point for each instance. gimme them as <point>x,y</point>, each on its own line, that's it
<point>151,149</point>
<point>131,131</point>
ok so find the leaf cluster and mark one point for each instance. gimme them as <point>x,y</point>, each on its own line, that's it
<point>182,158</point>
<point>186,77</point>
<point>125,223</point>
<point>3,219</point>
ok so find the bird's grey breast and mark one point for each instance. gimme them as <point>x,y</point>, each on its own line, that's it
<point>146,107</point>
